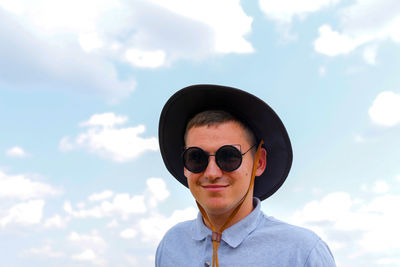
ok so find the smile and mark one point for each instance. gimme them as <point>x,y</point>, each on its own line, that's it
<point>214,187</point>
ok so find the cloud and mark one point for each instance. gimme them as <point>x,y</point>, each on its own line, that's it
<point>92,246</point>
<point>154,227</point>
<point>83,53</point>
<point>361,23</point>
<point>53,60</point>
<point>385,109</point>
<point>122,205</point>
<point>23,213</point>
<point>369,54</point>
<point>101,196</point>
<point>88,255</point>
<point>108,119</point>
<point>367,225</point>
<point>284,11</point>
<point>88,240</point>
<point>332,43</point>
<point>145,59</point>
<point>46,251</point>
<point>128,233</point>
<point>227,34</point>
<point>56,222</point>
<point>16,152</point>
<point>381,187</point>
<point>21,187</point>
<point>105,139</point>
<point>158,191</point>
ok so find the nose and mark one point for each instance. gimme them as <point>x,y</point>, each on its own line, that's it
<point>212,171</point>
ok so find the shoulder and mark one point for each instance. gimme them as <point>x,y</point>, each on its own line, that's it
<point>296,242</point>
<point>286,232</point>
<point>173,242</point>
<point>178,233</point>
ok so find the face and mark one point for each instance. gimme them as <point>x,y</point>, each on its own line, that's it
<point>218,191</point>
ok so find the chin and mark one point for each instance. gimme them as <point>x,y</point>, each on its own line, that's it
<point>216,208</point>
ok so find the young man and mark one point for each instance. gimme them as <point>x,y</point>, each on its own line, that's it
<point>232,151</point>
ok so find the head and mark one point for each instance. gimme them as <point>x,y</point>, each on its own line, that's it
<point>215,117</point>
<point>264,122</point>
<point>216,190</point>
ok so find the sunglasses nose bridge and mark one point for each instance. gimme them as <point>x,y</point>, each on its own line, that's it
<point>212,170</point>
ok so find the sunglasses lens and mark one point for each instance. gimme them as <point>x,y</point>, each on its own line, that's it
<point>195,159</point>
<point>228,158</point>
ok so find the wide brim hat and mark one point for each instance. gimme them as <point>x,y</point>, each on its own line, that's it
<point>262,120</point>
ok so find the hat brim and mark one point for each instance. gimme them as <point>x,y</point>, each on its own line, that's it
<point>260,117</point>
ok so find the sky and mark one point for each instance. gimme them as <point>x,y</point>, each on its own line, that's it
<point>82,85</point>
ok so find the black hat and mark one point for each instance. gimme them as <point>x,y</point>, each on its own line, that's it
<point>261,119</point>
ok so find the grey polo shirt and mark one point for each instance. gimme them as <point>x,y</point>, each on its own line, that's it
<point>257,240</point>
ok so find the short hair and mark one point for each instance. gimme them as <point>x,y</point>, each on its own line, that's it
<point>216,117</point>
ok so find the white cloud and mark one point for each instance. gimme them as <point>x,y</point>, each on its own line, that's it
<point>16,152</point>
<point>93,238</point>
<point>88,255</point>
<point>385,109</point>
<point>131,260</point>
<point>52,58</point>
<point>158,190</point>
<point>154,227</point>
<point>56,222</point>
<point>367,225</point>
<point>82,53</point>
<point>362,22</point>
<point>381,187</point>
<point>332,43</point>
<point>21,187</point>
<point>89,243</point>
<point>331,208</point>
<point>285,10</point>
<point>228,33</point>
<point>128,233</point>
<point>90,41</point>
<point>46,251</point>
<point>107,120</point>
<point>369,54</point>
<point>122,205</point>
<point>101,196</point>
<point>103,138</point>
<point>114,223</point>
<point>24,213</point>
<point>145,59</point>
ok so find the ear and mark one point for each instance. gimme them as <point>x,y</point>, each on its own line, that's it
<point>185,172</point>
<point>262,162</point>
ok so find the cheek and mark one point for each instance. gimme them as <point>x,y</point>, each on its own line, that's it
<point>191,178</point>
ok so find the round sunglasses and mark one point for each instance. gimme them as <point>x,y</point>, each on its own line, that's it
<point>228,158</point>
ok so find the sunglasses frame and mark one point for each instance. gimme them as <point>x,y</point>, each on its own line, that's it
<point>216,157</point>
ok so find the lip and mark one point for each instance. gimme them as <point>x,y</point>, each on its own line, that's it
<point>214,187</point>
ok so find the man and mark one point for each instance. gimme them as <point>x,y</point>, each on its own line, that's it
<point>232,151</point>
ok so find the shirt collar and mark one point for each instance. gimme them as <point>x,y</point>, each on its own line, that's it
<point>233,235</point>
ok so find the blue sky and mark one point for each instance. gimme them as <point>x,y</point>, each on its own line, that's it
<point>82,84</point>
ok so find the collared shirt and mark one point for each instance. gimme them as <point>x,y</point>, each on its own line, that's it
<point>256,240</point>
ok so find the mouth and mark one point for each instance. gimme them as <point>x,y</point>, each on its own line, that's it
<point>214,187</point>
